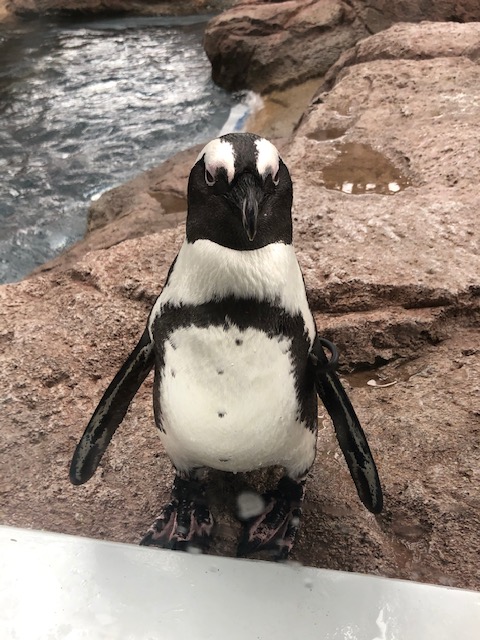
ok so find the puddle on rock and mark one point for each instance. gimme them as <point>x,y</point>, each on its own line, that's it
<point>360,169</point>
<point>390,374</point>
<point>170,202</point>
<point>321,135</point>
<point>363,378</point>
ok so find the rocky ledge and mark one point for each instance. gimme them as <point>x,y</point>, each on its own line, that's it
<point>264,45</point>
<point>385,166</point>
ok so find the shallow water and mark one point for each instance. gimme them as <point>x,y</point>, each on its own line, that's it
<point>360,169</point>
<point>85,106</point>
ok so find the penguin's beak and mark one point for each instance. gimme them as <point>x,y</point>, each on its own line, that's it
<point>250,214</point>
<point>247,195</point>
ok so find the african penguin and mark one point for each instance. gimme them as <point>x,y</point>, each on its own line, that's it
<point>238,363</point>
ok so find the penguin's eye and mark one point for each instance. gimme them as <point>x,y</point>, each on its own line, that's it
<point>276,178</point>
<point>209,179</point>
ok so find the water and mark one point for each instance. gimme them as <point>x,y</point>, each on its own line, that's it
<point>360,169</point>
<point>83,107</point>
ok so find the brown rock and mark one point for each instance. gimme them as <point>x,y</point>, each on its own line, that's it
<point>393,275</point>
<point>268,46</point>
<point>425,430</point>
<point>281,111</point>
<point>411,255</point>
<point>413,42</point>
<point>163,189</point>
<point>381,14</point>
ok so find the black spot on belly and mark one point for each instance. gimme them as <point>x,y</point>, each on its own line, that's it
<point>220,372</point>
<point>221,414</point>
<point>238,341</point>
<point>173,373</point>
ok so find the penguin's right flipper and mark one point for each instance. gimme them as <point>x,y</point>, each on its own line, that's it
<point>111,410</point>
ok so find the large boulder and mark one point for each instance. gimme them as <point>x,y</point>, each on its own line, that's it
<point>392,141</point>
<point>387,162</point>
<point>385,167</point>
<point>264,45</point>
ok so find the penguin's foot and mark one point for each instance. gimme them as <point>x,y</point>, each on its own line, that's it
<point>275,528</point>
<point>185,523</point>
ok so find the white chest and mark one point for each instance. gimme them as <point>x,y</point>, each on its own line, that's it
<point>227,395</point>
<point>228,400</point>
<point>206,272</point>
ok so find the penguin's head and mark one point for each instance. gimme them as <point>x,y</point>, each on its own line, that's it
<point>240,194</point>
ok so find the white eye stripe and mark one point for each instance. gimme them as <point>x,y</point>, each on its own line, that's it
<point>268,160</point>
<point>218,154</point>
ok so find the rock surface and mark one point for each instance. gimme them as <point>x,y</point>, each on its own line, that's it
<point>380,14</point>
<point>385,167</point>
<point>402,42</point>
<point>265,46</point>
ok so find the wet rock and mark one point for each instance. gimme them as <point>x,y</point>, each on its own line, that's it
<point>267,46</point>
<point>164,188</point>
<point>393,278</point>
<point>281,111</point>
<point>152,7</point>
<point>153,201</point>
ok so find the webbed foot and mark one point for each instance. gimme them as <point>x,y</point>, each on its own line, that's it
<point>275,528</point>
<point>185,523</point>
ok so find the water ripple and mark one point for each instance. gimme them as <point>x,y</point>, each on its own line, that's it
<point>84,107</point>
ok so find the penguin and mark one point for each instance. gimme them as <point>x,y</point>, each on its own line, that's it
<point>237,357</point>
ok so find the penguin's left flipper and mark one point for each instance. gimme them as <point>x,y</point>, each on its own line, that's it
<point>350,435</point>
<point>111,410</point>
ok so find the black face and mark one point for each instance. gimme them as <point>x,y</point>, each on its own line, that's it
<point>249,212</point>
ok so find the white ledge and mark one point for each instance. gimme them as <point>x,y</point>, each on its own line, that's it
<point>63,587</point>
